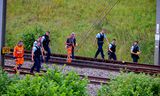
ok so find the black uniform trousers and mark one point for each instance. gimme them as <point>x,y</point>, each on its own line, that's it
<point>37,64</point>
<point>100,50</point>
<point>47,49</point>
<point>135,58</point>
<point>112,55</point>
<point>72,52</point>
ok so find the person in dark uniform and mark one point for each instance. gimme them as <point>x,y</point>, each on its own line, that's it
<point>74,43</point>
<point>45,43</point>
<point>135,51</point>
<point>36,57</point>
<point>100,40</point>
<point>69,46</point>
<point>112,50</point>
<point>35,44</point>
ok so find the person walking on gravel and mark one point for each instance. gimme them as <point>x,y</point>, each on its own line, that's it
<point>35,44</point>
<point>18,55</point>
<point>36,53</point>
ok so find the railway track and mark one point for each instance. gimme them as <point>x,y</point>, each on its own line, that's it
<point>25,71</point>
<point>99,64</point>
<point>106,61</point>
<point>86,62</point>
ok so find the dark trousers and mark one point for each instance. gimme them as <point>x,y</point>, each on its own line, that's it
<point>72,52</point>
<point>100,50</point>
<point>42,59</point>
<point>47,49</point>
<point>19,66</point>
<point>112,55</point>
<point>135,59</point>
<point>37,64</point>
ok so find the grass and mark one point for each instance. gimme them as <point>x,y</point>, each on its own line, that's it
<point>129,20</point>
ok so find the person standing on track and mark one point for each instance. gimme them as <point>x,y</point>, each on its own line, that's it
<point>35,44</point>
<point>36,57</point>
<point>69,46</point>
<point>45,43</point>
<point>135,51</point>
<point>74,44</point>
<point>18,54</point>
<point>112,50</point>
<point>100,41</point>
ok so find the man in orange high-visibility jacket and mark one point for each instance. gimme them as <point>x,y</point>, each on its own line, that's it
<point>18,55</point>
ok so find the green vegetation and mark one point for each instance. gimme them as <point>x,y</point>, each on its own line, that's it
<point>129,20</point>
<point>4,82</point>
<point>53,83</point>
<point>132,85</point>
<point>29,38</point>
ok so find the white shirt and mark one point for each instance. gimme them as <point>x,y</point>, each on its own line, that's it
<point>99,35</point>
<point>133,48</point>
<point>42,39</point>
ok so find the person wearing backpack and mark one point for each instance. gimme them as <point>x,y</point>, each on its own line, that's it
<point>112,50</point>
<point>36,57</point>
<point>45,44</point>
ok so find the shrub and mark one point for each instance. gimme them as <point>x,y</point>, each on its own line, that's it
<point>53,83</point>
<point>5,81</point>
<point>132,85</point>
<point>30,35</point>
<point>28,40</point>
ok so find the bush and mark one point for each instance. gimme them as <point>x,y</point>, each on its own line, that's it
<point>5,81</point>
<point>28,40</point>
<point>132,85</point>
<point>30,35</point>
<point>53,83</point>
